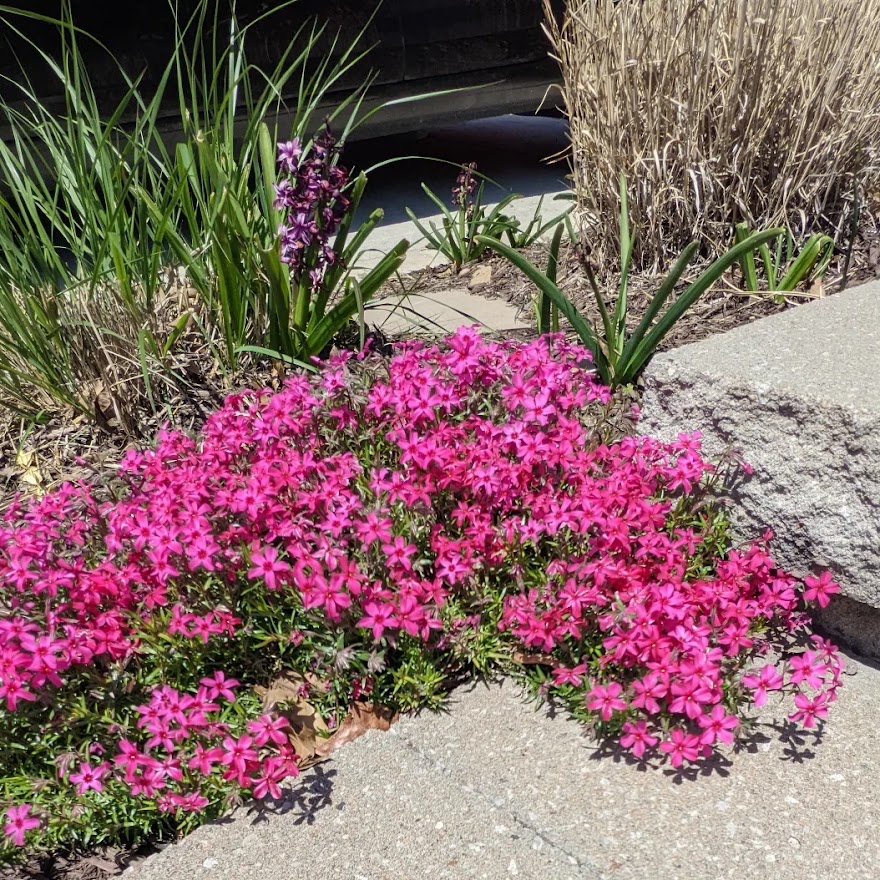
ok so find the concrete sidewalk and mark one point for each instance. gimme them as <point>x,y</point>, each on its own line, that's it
<point>512,151</point>
<point>494,789</point>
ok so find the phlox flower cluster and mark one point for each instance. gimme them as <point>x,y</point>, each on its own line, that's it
<point>669,680</point>
<point>179,741</point>
<point>376,509</point>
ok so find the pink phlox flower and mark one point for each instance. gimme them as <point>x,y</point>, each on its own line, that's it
<point>238,753</point>
<point>820,589</point>
<point>606,699</point>
<point>268,729</point>
<point>717,726</point>
<point>766,680</point>
<point>18,822</point>
<point>89,777</point>
<point>399,552</point>
<point>265,564</point>
<point>638,738</point>
<point>809,668</point>
<point>204,759</point>
<point>681,747</point>
<point>218,685</point>
<point>378,617</point>
<point>648,691</point>
<point>810,709</point>
<point>573,676</point>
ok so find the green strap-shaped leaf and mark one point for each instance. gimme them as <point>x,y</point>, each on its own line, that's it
<point>801,268</point>
<point>747,261</point>
<point>544,304</point>
<point>657,302</point>
<point>549,289</point>
<point>648,345</point>
<point>618,336</point>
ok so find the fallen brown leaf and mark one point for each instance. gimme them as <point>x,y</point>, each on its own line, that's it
<point>309,735</point>
<point>534,659</point>
<point>307,728</point>
<point>363,717</point>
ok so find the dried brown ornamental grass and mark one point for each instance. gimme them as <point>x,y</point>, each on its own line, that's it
<point>718,111</point>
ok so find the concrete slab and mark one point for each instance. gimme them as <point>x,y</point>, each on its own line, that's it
<point>444,312</point>
<point>788,810</point>
<point>797,392</point>
<point>512,151</point>
<point>378,811</point>
<point>494,789</point>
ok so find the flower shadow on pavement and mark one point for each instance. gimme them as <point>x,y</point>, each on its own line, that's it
<point>310,793</point>
<point>798,748</point>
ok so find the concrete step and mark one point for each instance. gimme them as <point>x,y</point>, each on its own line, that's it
<point>797,392</point>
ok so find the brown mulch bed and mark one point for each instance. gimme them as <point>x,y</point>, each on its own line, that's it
<point>102,864</point>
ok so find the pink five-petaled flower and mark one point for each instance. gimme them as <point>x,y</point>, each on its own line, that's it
<point>203,760</point>
<point>606,700</point>
<point>399,552</point>
<point>266,565</point>
<point>237,753</point>
<point>820,589</point>
<point>268,729</point>
<point>810,709</point>
<point>573,676</point>
<point>648,691</point>
<point>18,822</point>
<point>219,685</point>
<point>89,777</point>
<point>681,747</point>
<point>768,679</point>
<point>266,784</point>
<point>637,738</point>
<point>717,726</point>
<point>809,668</point>
<point>13,691</point>
<point>378,618</point>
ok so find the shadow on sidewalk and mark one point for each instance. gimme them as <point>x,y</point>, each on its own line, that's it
<point>308,795</point>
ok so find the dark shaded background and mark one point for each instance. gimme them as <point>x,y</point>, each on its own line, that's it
<point>416,41</point>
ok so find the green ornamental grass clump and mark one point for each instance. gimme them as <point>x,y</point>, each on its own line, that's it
<point>119,241</point>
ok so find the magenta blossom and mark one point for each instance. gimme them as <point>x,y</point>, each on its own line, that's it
<point>18,822</point>
<point>88,777</point>
<point>820,589</point>
<point>638,738</point>
<point>717,726</point>
<point>606,700</point>
<point>768,679</point>
<point>681,747</point>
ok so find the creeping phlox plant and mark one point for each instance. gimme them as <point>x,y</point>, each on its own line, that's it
<point>380,529</point>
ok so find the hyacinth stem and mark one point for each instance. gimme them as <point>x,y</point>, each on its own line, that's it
<point>301,306</point>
